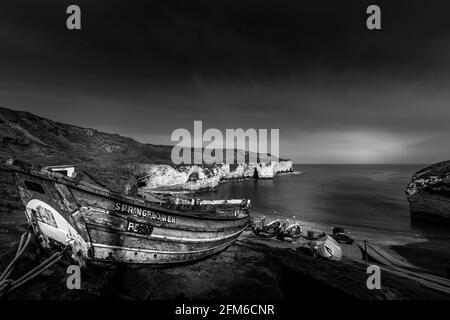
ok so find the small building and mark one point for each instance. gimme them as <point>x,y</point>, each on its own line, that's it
<point>67,170</point>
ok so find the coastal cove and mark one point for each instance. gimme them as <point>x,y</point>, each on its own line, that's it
<point>367,200</point>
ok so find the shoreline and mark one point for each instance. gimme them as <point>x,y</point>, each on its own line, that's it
<point>212,189</point>
<point>168,179</point>
<point>251,268</point>
<point>430,254</point>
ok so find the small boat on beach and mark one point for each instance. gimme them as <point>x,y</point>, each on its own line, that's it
<point>340,236</point>
<point>264,229</point>
<point>292,231</point>
<point>97,224</point>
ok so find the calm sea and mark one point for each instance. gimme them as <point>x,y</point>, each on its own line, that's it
<point>367,200</point>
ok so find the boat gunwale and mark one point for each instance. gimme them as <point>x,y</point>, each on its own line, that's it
<point>164,238</point>
<point>90,188</point>
<point>163,225</point>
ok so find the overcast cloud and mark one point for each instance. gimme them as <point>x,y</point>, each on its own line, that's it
<point>338,92</point>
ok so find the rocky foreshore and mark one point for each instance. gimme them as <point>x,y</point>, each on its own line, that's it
<point>251,268</point>
<point>193,178</point>
<point>429,193</point>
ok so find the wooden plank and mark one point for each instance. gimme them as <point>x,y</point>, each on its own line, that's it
<point>109,206</point>
<point>424,278</point>
<point>118,222</point>
<point>97,200</point>
<point>130,255</point>
<point>160,234</point>
<point>67,197</point>
<point>154,244</point>
<point>391,259</point>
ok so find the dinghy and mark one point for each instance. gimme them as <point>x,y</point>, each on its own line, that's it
<point>96,224</point>
<point>292,231</point>
<point>264,229</point>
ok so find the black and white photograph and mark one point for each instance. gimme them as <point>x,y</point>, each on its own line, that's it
<point>224,158</point>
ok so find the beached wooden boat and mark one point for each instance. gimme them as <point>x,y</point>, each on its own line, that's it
<point>96,224</point>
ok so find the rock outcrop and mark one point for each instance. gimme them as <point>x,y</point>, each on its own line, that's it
<point>164,177</point>
<point>429,193</point>
<point>266,170</point>
<point>238,171</point>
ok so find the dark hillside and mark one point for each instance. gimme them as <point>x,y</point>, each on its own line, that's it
<point>41,141</point>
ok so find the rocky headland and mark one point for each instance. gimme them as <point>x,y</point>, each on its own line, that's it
<point>170,178</point>
<point>429,193</point>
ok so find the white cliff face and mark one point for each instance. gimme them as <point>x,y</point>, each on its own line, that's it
<point>176,178</point>
<point>249,170</point>
<point>283,166</point>
<point>202,184</point>
<point>238,171</point>
<point>195,178</point>
<point>164,175</point>
<point>266,170</point>
<point>269,169</point>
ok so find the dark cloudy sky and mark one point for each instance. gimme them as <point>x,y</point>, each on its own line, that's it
<point>338,92</point>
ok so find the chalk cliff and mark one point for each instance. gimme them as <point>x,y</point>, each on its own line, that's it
<point>113,160</point>
<point>428,193</point>
<point>164,177</point>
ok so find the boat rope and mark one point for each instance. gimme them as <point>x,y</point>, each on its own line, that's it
<point>20,251</point>
<point>8,285</point>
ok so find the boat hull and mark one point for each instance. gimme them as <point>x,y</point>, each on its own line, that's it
<point>109,227</point>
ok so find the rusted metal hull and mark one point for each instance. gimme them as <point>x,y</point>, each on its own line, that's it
<point>100,225</point>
